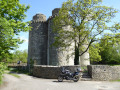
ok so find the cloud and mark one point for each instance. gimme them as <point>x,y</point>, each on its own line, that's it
<point>23,38</point>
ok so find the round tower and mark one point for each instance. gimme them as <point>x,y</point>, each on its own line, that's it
<point>55,11</point>
<point>37,49</point>
<point>56,57</point>
<point>52,57</point>
<point>85,58</point>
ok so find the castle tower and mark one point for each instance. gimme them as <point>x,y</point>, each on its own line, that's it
<point>52,55</point>
<point>56,57</point>
<point>37,49</point>
<point>85,58</point>
<point>41,38</point>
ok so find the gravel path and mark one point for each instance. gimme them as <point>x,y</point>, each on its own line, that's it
<point>26,82</point>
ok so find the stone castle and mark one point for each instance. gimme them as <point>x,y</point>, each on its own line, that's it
<point>41,38</point>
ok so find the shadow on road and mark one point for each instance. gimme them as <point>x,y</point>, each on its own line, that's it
<point>65,81</point>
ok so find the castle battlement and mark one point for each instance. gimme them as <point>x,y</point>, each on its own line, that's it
<point>37,21</point>
<point>41,38</point>
<point>39,17</point>
<point>55,11</point>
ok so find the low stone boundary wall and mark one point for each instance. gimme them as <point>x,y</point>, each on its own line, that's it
<point>15,64</point>
<point>104,72</point>
<point>51,72</point>
<point>19,67</point>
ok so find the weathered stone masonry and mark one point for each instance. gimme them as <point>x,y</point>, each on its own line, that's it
<point>104,72</point>
<point>41,38</point>
<point>51,72</point>
<point>38,40</point>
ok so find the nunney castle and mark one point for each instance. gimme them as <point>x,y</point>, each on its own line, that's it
<point>41,38</point>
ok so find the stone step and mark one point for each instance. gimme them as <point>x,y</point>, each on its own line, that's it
<point>86,76</point>
<point>84,73</point>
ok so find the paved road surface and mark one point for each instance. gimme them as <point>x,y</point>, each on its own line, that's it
<point>26,82</point>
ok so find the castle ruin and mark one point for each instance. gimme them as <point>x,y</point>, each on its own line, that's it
<point>41,38</point>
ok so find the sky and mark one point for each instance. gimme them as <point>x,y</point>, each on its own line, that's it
<point>46,6</point>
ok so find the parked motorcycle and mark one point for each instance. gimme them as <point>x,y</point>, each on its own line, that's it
<point>66,74</point>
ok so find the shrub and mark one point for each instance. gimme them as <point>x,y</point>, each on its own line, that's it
<point>2,69</point>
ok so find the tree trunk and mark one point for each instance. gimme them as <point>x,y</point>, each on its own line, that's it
<point>76,60</point>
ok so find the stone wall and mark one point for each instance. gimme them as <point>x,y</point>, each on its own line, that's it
<point>51,72</point>
<point>41,39</point>
<point>23,68</point>
<point>55,56</point>
<point>104,72</point>
<point>37,49</point>
<point>52,54</point>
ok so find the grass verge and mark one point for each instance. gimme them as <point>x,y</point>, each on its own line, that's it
<point>15,75</point>
<point>116,80</point>
<point>17,70</point>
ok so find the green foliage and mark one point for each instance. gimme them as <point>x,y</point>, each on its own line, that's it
<point>87,20</point>
<point>31,64</point>
<point>12,14</point>
<point>18,56</point>
<point>107,51</point>
<point>94,52</point>
<point>110,52</point>
<point>2,68</point>
<point>16,70</point>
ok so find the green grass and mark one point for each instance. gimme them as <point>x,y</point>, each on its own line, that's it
<point>15,71</point>
<point>19,71</point>
<point>84,69</point>
<point>15,75</point>
<point>117,80</point>
<point>10,73</point>
<point>114,65</point>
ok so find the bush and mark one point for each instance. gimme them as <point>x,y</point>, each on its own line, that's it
<point>2,69</point>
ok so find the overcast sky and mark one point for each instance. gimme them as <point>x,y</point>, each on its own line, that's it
<point>46,6</point>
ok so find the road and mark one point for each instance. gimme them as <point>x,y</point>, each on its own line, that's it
<point>26,82</point>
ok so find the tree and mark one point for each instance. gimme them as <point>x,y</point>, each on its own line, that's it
<point>109,50</point>
<point>88,20</point>
<point>2,68</point>
<point>106,51</point>
<point>12,14</point>
<point>94,52</point>
<point>18,56</point>
<point>24,56</point>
